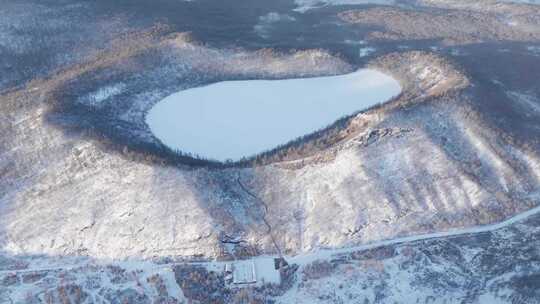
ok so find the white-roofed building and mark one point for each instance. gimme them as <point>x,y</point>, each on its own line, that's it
<point>244,272</point>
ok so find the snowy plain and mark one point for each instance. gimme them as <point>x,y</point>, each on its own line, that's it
<point>234,119</point>
<point>303,6</point>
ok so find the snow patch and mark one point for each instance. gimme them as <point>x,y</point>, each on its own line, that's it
<point>529,101</point>
<point>366,51</point>
<point>305,5</point>
<point>266,22</point>
<point>97,97</point>
<point>355,42</point>
<point>537,2</point>
<point>534,49</point>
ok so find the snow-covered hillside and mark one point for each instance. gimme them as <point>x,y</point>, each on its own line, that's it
<point>462,265</point>
<point>94,208</point>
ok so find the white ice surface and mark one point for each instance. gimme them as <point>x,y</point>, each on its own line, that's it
<point>235,119</point>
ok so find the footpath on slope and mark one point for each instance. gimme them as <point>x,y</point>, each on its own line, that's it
<point>246,190</point>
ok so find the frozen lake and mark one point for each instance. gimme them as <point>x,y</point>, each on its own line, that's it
<point>233,119</point>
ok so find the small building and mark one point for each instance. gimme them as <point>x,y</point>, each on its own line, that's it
<point>257,271</point>
<point>228,268</point>
<point>244,272</point>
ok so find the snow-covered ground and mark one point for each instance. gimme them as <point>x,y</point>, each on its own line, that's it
<point>264,263</point>
<point>266,22</point>
<point>366,51</point>
<point>534,49</point>
<point>305,5</point>
<point>522,1</point>
<point>329,276</point>
<point>99,96</point>
<point>235,119</point>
